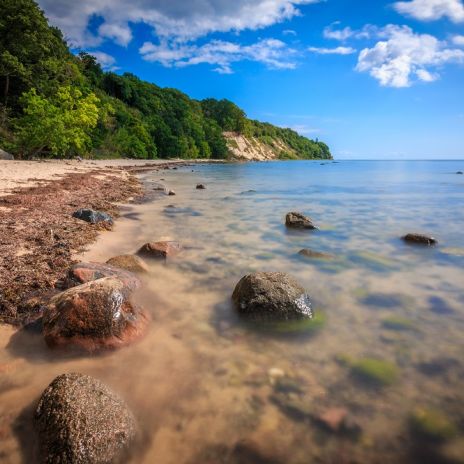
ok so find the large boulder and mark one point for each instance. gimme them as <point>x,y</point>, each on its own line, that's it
<point>420,239</point>
<point>272,296</point>
<point>94,217</point>
<point>79,420</point>
<point>93,316</point>
<point>299,221</point>
<point>5,155</point>
<point>131,263</point>
<point>163,250</point>
<point>82,273</point>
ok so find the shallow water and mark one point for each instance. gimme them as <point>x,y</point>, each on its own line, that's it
<point>208,388</point>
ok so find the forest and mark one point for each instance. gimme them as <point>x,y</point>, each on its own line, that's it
<point>56,103</point>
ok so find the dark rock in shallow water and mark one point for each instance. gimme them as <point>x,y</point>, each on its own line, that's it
<point>82,273</point>
<point>131,263</point>
<point>93,316</point>
<point>440,306</point>
<point>420,239</point>
<point>299,221</point>
<point>79,420</point>
<point>460,172</point>
<point>307,253</point>
<point>5,156</point>
<point>271,296</point>
<point>163,250</point>
<point>201,187</point>
<point>93,217</point>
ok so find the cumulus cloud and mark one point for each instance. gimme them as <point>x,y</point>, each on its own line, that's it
<point>332,51</point>
<point>458,40</point>
<point>273,53</point>
<point>169,18</point>
<point>429,10</point>
<point>343,34</point>
<point>404,57</point>
<point>106,61</point>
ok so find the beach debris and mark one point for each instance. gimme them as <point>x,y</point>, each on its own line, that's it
<point>93,217</point>
<point>80,420</point>
<point>163,249</point>
<point>271,296</point>
<point>82,273</point>
<point>93,316</point>
<point>131,263</point>
<point>5,155</point>
<point>308,253</point>
<point>420,239</point>
<point>299,221</point>
<point>201,187</point>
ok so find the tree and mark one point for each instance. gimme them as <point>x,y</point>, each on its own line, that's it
<point>60,126</point>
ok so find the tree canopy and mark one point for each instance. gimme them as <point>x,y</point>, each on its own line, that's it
<point>55,103</point>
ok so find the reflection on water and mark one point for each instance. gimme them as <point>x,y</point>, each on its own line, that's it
<point>376,377</point>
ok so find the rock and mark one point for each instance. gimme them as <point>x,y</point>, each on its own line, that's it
<point>375,372</point>
<point>460,172</point>
<point>171,193</point>
<point>299,221</point>
<point>131,263</point>
<point>5,156</point>
<point>397,323</point>
<point>80,420</point>
<point>333,418</point>
<point>82,273</point>
<point>271,296</point>
<point>93,217</point>
<point>432,425</point>
<point>307,253</point>
<point>164,250</point>
<point>93,316</point>
<point>420,239</point>
<point>201,186</point>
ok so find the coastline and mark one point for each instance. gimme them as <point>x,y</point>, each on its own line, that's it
<point>40,238</point>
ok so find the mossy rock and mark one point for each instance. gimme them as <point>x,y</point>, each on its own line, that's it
<point>376,372</point>
<point>432,425</point>
<point>397,323</point>
<point>299,326</point>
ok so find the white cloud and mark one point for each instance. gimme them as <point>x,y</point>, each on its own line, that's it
<point>347,33</point>
<point>106,61</point>
<point>429,10</point>
<point>289,32</point>
<point>458,40</point>
<point>406,56</point>
<point>271,52</point>
<point>169,18</point>
<point>332,51</point>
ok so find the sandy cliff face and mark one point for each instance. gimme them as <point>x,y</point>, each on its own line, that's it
<point>251,149</point>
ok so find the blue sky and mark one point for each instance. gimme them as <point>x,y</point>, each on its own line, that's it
<point>374,79</point>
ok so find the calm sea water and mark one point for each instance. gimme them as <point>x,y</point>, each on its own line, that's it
<point>386,351</point>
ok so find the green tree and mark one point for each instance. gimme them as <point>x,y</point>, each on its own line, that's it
<point>60,126</point>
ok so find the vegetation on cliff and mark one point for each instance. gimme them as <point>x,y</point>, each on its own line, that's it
<point>54,103</point>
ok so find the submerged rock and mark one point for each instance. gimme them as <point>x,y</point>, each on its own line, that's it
<point>201,187</point>
<point>460,172</point>
<point>93,316</point>
<point>93,217</point>
<point>163,250</point>
<point>420,239</point>
<point>376,372</point>
<point>80,420</point>
<point>271,296</point>
<point>5,155</point>
<point>82,273</point>
<point>299,221</point>
<point>131,263</point>
<point>432,425</point>
<point>311,254</point>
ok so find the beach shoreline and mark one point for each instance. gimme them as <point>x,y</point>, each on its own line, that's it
<point>39,237</point>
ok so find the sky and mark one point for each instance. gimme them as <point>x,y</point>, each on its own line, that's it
<point>372,78</point>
